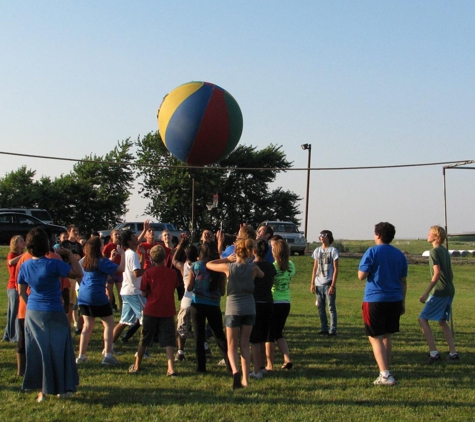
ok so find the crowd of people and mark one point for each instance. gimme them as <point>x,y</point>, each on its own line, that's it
<point>72,283</point>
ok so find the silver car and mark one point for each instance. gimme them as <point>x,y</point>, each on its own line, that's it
<point>290,232</point>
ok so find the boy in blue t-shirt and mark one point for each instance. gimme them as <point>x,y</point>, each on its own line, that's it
<point>385,269</point>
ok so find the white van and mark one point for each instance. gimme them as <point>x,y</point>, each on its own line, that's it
<point>39,213</point>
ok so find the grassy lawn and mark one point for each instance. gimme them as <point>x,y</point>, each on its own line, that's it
<point>331,379</point>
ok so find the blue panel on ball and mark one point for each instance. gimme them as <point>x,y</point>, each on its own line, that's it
<point>185,122</point>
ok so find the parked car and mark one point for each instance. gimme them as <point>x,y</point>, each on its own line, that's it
<point>290,232</point>
<point>14,223</point>
<point>137,228</point>
<point>39,213</point>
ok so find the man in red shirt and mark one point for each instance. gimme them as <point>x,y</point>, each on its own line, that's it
<point>158,286</point>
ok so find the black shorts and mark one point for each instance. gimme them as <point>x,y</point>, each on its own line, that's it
<point>115,279</point>
<point>96,311</point>
<point>381,317</point>
<point>260,330</point>
<point>279,317</point>
<point>164,326</point>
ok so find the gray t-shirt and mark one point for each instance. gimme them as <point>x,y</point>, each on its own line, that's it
<point>240,298</point>
<point>325,258</point>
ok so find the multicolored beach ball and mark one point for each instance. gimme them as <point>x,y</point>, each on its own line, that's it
<point>200,123</point>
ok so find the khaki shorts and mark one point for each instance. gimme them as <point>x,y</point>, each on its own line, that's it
<point>183,323</point>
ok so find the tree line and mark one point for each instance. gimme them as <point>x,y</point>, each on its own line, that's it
<point>94,194</point>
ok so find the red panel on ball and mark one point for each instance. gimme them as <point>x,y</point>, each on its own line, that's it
<point>212,137</point>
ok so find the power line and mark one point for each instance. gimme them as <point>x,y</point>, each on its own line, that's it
<point>186,167</point>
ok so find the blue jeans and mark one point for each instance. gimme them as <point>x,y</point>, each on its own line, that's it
<point>323,298</point>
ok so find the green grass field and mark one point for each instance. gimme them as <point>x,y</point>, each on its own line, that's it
<point>331,379</point>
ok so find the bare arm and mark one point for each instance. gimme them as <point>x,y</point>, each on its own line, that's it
<point>191,281</point>
<point>179,255</point>
<point>65,296</point>
<point>76,270</point>
<point>120,251</point>
<point>219,265</point>
<point>332,289</point>
<point>23,293</point>
<point>139,272</point>
<point>14,260</point>
<point>432,283</point>
<point>362,275</point>
<point>314,273</point>
<point>146,226</point>
<point>220,238</point>
<point>404,289</point>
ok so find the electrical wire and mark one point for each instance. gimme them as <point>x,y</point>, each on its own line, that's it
<point>449,164</point>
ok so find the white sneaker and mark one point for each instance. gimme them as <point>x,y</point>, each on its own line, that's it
<point>257,376</point>
<point>82,360</point>
<point>110,361</point>
<point>389,380</point>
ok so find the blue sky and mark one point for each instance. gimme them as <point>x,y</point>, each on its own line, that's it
<point>367,83</point>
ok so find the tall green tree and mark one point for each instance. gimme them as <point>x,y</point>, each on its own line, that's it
<point>19,189</point>
<point>244,196</point>
<point>98,189</point>
<point>93,195</point>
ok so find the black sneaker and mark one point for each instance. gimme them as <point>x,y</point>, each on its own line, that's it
<point>452,358</point>
<point>433,359</point>
<point>323,333</point>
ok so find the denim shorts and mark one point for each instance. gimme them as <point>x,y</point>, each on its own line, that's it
<point>235,321</point>
<point>132,309</point>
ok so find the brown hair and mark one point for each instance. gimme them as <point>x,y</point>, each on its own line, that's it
<point>281,252</point>
<point>37,242</point>
<point>92,254</point>
<point>209,252</point>
<point>262,248</point>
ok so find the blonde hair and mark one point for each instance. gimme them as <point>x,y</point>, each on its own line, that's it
<point>244,248</point>
<point>158,254</point>
<point>439,232</point>
<point>14,242</point>
<point>281,252</point>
